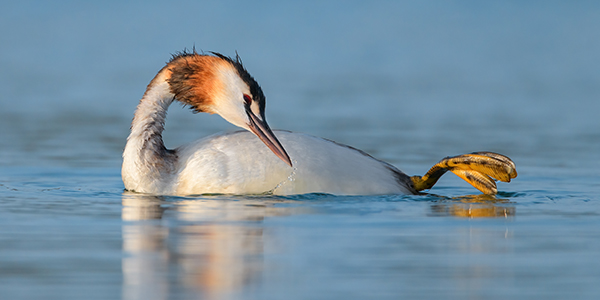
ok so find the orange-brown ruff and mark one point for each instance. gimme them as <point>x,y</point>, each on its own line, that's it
<point>256,161</point>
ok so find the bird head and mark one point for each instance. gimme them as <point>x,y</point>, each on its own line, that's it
<point>217,84</point>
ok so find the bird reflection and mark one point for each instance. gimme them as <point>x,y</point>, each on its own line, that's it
<point>144,245</point>
<point>474,206</point>
<point>215,246</point>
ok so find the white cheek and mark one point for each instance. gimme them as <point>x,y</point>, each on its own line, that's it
<point>229,103</point>
<point>234,114</point>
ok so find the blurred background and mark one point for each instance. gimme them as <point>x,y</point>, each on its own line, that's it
<point>509,76</point>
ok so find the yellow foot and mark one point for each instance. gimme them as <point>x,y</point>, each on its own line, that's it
<point>477,168</point>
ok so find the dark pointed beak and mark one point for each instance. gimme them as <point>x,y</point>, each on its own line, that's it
<point>261,129</point>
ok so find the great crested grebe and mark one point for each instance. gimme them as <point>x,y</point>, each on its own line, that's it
<point>239,162</point>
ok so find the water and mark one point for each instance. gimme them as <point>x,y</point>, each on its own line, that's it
<point>409,83</point>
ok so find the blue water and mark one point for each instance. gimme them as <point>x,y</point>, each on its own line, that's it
<point>410,83</point>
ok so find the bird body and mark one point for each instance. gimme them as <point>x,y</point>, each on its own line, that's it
<point>238,163</point>
<point>255,161</point>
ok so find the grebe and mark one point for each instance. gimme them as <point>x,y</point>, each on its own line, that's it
<point>239,162</point>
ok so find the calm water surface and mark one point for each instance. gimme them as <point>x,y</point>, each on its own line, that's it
<point>408,83</point>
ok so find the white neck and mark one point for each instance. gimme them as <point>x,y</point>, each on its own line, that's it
<point>146,160</point>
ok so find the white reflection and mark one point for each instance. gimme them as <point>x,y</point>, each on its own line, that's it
<point>146,256</point>
<point>212,246</point>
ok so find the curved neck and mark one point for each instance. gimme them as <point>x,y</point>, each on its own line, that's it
<point>149,119</point>
<point>145,157</point>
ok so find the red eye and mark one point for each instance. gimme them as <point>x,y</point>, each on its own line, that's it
<point>247,99</point>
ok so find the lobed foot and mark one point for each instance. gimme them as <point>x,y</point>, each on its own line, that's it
<point>477,168</point>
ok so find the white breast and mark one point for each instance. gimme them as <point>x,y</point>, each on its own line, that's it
<point>239,163</point>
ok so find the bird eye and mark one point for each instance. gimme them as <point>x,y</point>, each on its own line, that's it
<point>247,99</point>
